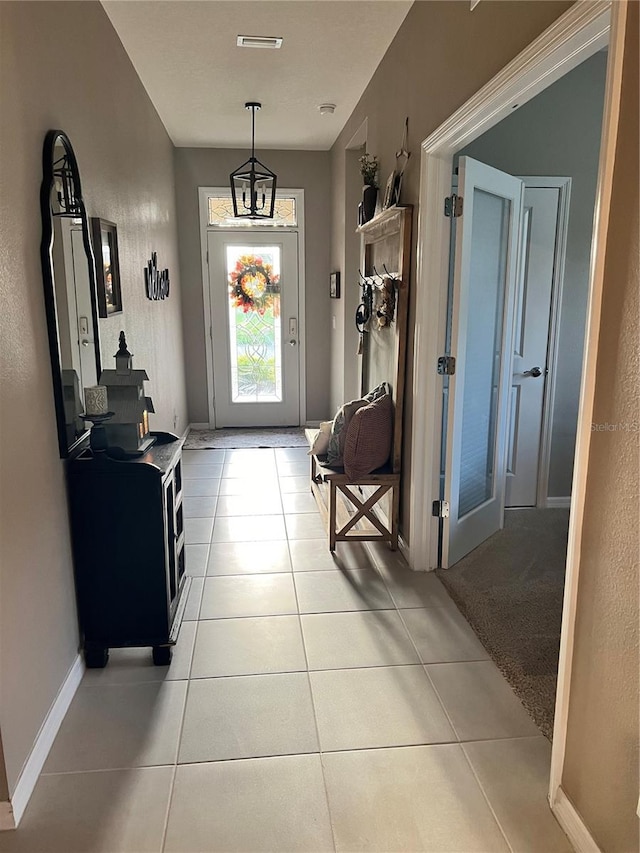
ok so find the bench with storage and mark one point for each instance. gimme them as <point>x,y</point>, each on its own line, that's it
<point>357,464</point>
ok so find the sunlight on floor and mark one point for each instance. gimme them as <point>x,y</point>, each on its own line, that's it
<point>312,704</point>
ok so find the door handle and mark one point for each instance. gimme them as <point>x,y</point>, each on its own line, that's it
<point>293,331</point>
<point>534,371</point>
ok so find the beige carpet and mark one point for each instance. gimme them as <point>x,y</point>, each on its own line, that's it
<point>231,438</point>
<point>510,590</point>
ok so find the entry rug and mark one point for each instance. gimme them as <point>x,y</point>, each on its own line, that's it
<point>233,438</point>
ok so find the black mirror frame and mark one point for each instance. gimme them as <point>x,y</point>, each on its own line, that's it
<point>52,138</point>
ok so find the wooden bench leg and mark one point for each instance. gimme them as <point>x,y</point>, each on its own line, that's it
<point>395,515</point>
<point>332,515</point>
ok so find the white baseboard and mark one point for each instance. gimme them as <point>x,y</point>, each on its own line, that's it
<point>44,741</point>
<point>571,822</point>
<point>199,426</point>
<point>558,503</point>
<point>403,547</point>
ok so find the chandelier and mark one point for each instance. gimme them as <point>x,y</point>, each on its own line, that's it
<point>253,185</point>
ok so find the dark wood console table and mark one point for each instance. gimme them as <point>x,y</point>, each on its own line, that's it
<point>129,549</point>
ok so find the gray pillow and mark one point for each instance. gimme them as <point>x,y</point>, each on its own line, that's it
<point>368,439</point>
<point>339,428</point>
<point>377,392</point>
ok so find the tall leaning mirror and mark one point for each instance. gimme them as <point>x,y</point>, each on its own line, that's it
<point>68,273</point>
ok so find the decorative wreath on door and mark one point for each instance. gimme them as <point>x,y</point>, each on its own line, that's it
<point>253,285</point>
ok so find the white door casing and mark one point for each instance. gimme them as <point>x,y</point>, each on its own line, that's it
<point>484,285</point>
<point>233,405</point>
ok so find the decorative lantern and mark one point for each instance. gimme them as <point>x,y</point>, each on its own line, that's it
<point>129,427</point>
<point>253,185</point>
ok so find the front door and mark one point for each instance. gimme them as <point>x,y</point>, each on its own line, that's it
<point>73,289</point>
<point>480,335</point>
<point>253,281</point>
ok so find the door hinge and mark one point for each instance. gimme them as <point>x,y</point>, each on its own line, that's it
<point>440,509</point>
<point>207,258</point>
<point>446,365</point>
<point>453,205</point>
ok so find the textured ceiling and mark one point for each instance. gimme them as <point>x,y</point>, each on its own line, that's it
<point>185,53</point>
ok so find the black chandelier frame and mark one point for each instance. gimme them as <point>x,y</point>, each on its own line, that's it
<point>253,185</point>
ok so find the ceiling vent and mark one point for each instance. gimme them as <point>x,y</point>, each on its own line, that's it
<point>271,42</point>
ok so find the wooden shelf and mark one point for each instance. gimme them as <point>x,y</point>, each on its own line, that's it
<point>383,218</point>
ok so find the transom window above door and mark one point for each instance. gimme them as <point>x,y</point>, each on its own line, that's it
<point>220,214</point>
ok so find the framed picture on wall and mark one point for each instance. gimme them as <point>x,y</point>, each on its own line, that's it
<point>105,249</point>
<point>334,285</point>
<point>389,191</point>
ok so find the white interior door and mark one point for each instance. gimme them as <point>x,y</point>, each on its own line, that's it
<point>530,343</point>
<point>253,281</point>
<point>481,318</point>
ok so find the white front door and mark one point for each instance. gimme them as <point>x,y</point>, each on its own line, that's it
<point>253,282</point>
<point>530,345</point>
<point>481,326</point>
<point>77,296</point>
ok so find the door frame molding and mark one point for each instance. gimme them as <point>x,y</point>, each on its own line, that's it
<point>298,194</point>
<point>574,37</point>
<point>579,33</point>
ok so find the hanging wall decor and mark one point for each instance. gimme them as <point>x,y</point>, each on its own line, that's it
<point>156,281</point>
<point>105,247</point>
<point>253,285</point>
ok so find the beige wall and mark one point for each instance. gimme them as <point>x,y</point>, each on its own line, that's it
<point>62,65</point>
<point>307,170</point>
<point>442,54</point>
<point>601,765</point>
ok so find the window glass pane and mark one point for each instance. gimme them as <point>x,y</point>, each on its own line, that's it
<point>255,333</point>
<point>489,245</point>
<point>221,213</point>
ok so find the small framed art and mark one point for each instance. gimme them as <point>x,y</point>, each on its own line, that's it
<point>392,190</point>
<point>334,285</point>
<point>389,191</point>
<point>105,248</point>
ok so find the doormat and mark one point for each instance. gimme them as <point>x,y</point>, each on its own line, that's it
<point>235,438</point>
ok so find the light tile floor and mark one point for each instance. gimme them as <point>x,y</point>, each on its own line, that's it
<point>313,703</point>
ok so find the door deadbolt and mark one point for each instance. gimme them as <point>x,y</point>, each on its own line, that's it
<point>534,371</point>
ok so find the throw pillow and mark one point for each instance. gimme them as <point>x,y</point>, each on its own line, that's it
<point>368,440</point>
<point>339,428</point>
<point>378,391</point>
<point>321,441</point>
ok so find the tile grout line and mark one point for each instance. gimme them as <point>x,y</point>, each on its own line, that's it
<point>344,750</point>
<point>313,704</point>
<point>486,798</point>
<point>165,828</point>
<point>413,643</point>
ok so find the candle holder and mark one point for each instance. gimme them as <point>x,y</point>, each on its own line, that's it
<point>98,435</point>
